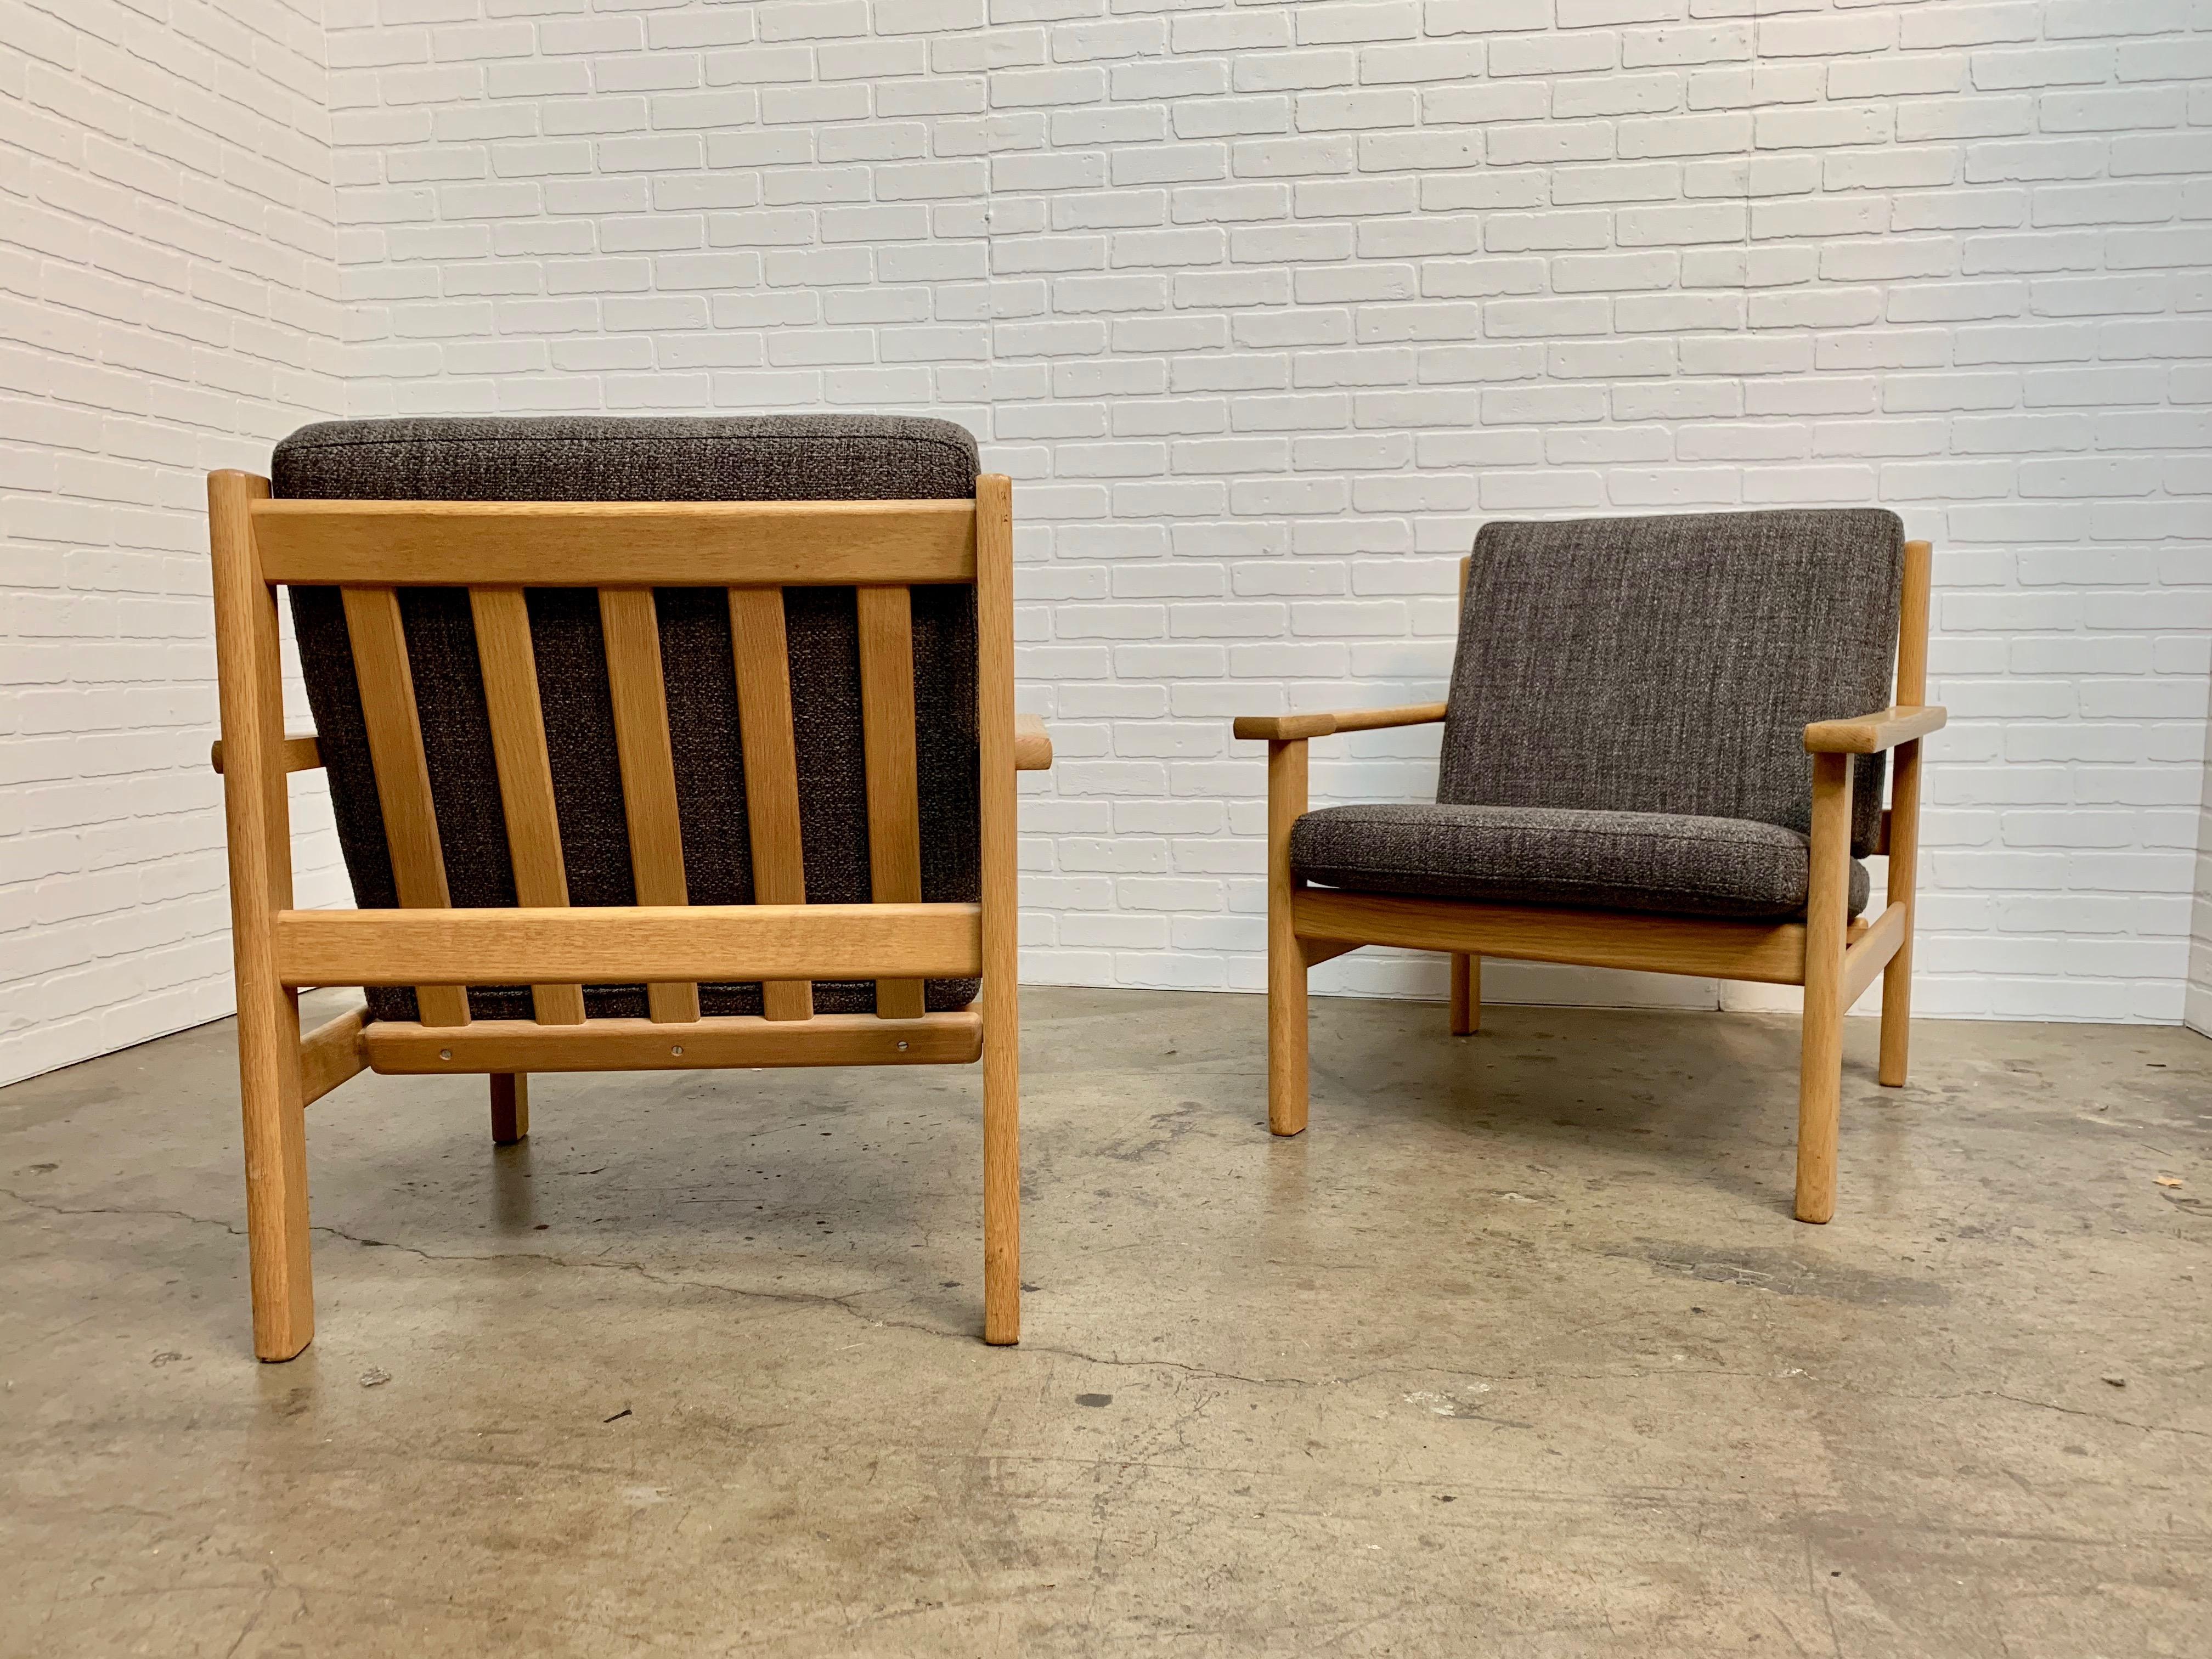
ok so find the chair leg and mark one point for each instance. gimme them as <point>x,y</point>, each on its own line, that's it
<point>1286,957</point>
<point>1820,1059</point>
<point>1466,993</point>
<point>510,1106</point>
<point>1904,883</point>
<point>279,1252</point>
<point>1002,1168</point>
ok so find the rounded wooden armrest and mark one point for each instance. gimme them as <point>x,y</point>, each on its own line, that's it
<point>1870,734</point>
<point>1289,728</point>
<point>1032,744</point>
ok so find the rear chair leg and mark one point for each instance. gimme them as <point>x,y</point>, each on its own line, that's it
<point>510,1106</point>
<point>1466,995</point>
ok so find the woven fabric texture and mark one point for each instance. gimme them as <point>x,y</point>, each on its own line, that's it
<point>776,458</point>
<point>1675,863</point>
<point>1670,665</point>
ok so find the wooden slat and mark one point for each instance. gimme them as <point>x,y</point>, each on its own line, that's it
<point>525,773</point>
<point>1771,952</point>
<point>1001,930</point>
<point>301,753</point>
<point>640,1045</point>
<point>402,775</point>
<point>594,943</point>
<point>649,772</point>
<point>886,626</point>
<point>651,544</point>
<point>332,1053</point>
<point>763,671</point>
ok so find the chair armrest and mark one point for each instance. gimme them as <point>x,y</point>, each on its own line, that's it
<point>1032,744</point>
<point>1870,734</point>
<point>1287,728</point>
<point>301,753</point>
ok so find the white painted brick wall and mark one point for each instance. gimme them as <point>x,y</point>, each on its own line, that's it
<point>2198,999</point>
<point>1276,303</point>
<point>168,305</point>
<point>1268,307</point>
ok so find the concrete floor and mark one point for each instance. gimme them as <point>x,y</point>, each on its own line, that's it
<point>1516,1353</point>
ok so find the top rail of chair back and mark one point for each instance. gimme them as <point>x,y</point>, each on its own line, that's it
<point>587,544</point>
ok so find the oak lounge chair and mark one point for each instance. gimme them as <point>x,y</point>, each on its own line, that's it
<point>699,679</point>
<point>1662,750</point>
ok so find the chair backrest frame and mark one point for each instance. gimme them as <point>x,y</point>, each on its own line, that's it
<point>370,549</point>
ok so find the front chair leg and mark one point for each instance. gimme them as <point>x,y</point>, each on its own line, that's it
<point>510,1106</point>
<point>1002,1166</point>
<point>1821,1060</point>
<point>1286,957</point>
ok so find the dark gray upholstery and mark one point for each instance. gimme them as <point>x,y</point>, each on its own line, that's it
<point>1671,664</point>
<point>1626,728</point>
<point>775,457</point>
<point>1676,864</point>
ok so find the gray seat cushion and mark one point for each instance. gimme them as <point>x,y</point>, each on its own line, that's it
<point>1674,863</point>
<point>1670,665</point>
<point>773,458</point>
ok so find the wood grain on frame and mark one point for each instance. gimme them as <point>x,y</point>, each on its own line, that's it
<point>403,773</point>
<point>525,772</point>
<point>648,771</point>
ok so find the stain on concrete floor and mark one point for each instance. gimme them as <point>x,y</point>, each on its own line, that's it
<point>1518,1351</point>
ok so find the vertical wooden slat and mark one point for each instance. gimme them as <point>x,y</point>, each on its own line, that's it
<point>894,815</point>
<point>763,671</point>
<point>1002,1036</point>
<point>525,774</point>
<point>648,770</point>
<point>258,831</point>
<point>402,775</point>
<point>1904,847</point>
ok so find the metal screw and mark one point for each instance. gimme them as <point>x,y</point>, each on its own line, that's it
<point>902,1047</point>
<point>676,1049</point>
<point>444,1053</point>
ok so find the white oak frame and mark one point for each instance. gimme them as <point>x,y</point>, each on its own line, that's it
<point>371,548</point>
<point>1835,960</point>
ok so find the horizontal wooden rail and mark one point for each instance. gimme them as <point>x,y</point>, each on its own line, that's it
<point>641,1045</point>
<point>641,543</point>
<point>1869,953</point>
<point>1870,734</point>
<point>1773,952</point>
<point>302,753</point>
<point>330,1054</point>
<point>655,943</point>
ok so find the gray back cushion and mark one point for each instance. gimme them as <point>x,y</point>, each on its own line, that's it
<point>1671,664</point>
<point>773,458</point>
